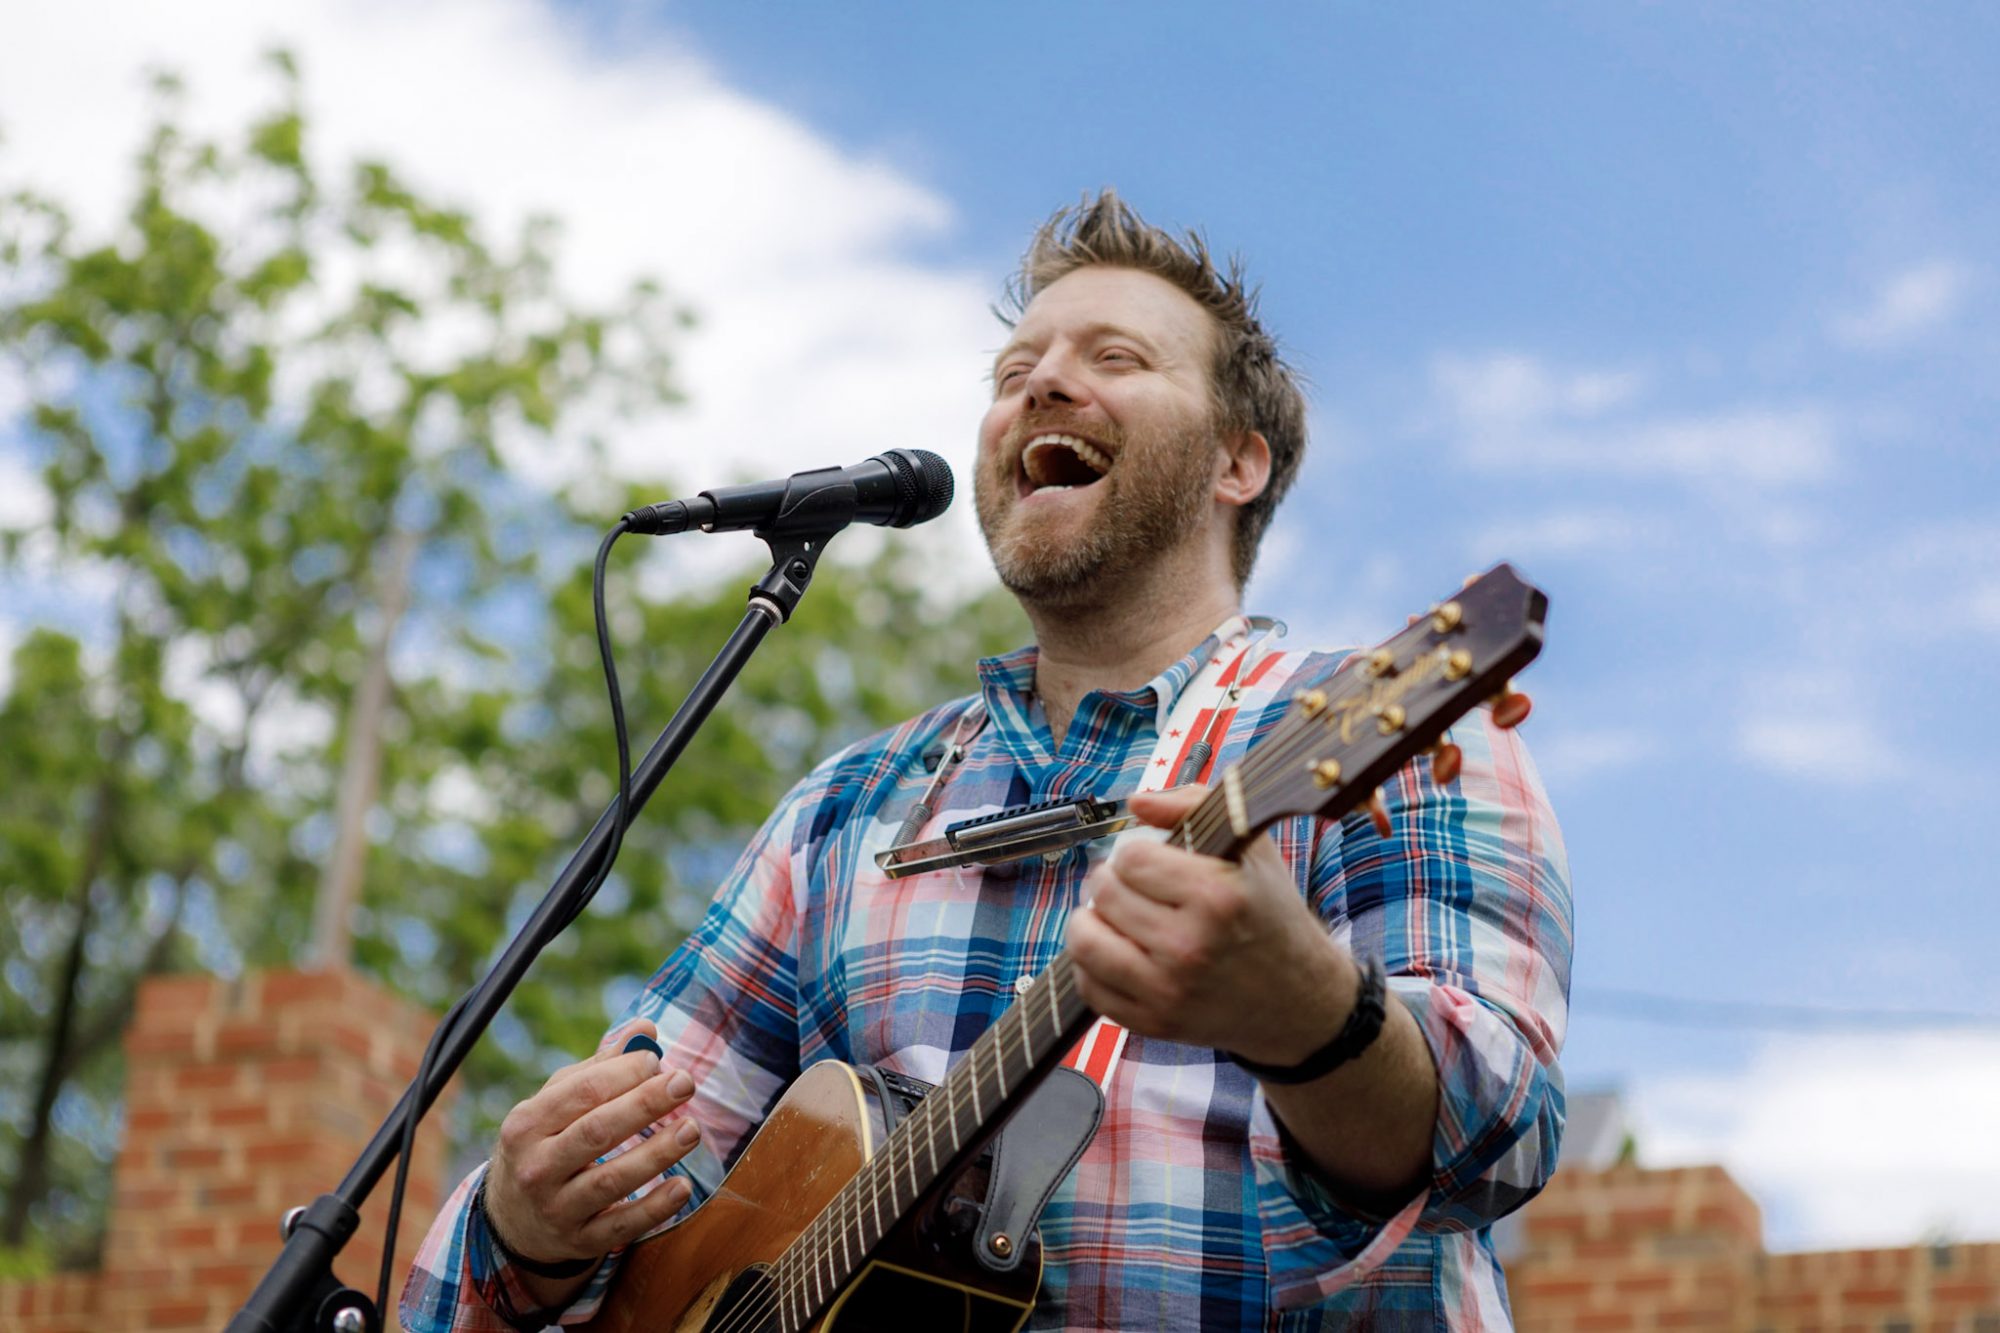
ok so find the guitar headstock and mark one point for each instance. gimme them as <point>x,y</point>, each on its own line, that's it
<point>1348,734</point>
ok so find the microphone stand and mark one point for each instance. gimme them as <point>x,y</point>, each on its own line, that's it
<point>299,1291</point>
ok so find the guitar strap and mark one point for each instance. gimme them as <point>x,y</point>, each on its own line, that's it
<point>1186,751</point>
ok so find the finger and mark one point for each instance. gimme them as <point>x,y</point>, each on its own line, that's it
<point>1164,809</point>
<point>613,1044</point>
<point>598,1130</point>
<point>602,1186</point>
<point>1134,915</point>
<point>1108,964</point>
<point>595,1083</point>
<point>623,1223</point>
<point>1165,874</point>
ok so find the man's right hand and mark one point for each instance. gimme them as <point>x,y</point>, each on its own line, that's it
<point>547,1194</point>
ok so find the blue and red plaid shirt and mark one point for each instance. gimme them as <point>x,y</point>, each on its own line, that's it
<point>1187,1210</point>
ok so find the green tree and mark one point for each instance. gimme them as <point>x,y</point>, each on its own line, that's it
<point>325,686</point>
<point>270,419</point>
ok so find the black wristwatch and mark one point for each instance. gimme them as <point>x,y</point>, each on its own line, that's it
<point>554,1268</point>
<point>1363,1025</point>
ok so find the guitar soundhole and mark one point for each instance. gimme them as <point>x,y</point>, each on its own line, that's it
<point>748,1305</point>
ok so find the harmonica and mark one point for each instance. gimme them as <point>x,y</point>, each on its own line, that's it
<point>1008,835</point>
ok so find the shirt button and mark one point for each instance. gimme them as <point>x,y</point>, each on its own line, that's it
<point>1021,984</point>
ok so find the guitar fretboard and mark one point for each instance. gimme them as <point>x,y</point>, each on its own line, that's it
<point>946,1127</point>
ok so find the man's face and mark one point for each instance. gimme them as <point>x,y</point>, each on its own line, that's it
<point>1099,450</point>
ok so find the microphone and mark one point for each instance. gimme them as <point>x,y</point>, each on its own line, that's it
<point>897,489</point>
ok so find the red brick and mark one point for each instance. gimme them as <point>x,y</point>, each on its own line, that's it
<point>289,990</point>
<point>355,1041</point>
<point>292,1072</point>
<point>240,1115</point>
<point>193,1236</point>
<point>171,1314</point>
<point>241,1037</point>
<point>1875,1297</point>
<point>172,999</point>
<point>1644,1221</point>
<point>1556,1288</point>
<point>199,1077</point>
<point>277,1151</point>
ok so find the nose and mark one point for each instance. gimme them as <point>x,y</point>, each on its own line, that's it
<point>1053,382</point>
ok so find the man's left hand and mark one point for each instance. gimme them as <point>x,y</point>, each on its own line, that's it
<point>1196,949</point>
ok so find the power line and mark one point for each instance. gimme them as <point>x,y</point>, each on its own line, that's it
<point>1688,1011</point>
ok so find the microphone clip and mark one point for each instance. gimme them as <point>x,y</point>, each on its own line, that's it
<point>794,557</point>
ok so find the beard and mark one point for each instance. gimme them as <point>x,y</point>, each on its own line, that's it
<point>1154,499</point>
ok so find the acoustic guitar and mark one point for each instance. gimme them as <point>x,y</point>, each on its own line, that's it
<point>827,1222</point>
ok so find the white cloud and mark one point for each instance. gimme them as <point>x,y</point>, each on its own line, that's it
<point>1508,410</point>
<point>1512,387</point>
<point>1578,754</point>
<point>1564,532</point>
<point>1847,1140</point>
<point>24,502</point>
<point>819,341</point>
<point>1983,605</point>
<point>1914,302</point>
<point>1842,750</point>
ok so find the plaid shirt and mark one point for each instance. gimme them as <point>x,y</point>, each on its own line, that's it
<point>1188,1210</point>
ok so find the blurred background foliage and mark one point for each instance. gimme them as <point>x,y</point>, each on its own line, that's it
<point>324,687</point>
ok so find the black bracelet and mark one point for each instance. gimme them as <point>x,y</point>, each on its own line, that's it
<point>1363,1025</point>
<point>539,1267</point>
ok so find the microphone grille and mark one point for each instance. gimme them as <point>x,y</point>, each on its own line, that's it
<point>924,486</point>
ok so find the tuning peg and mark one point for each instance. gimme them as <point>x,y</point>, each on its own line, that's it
<point>1446,761</point>
<point>1378,813</point>
<point>1511,707</point>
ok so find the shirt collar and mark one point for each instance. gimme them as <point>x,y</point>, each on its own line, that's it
<point>1013,675</point>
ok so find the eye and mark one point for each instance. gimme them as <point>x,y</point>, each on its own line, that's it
<point>1008,374</point>
<point>1118,356</point>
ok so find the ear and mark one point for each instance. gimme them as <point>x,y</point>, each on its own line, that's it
<point>1242,467</point>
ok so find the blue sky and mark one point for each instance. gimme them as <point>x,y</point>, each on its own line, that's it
<point>1688,310</point>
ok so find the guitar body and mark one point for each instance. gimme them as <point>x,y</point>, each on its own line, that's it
<point>705,1274</point>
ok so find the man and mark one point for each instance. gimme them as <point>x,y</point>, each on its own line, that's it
<point>1142,430</point>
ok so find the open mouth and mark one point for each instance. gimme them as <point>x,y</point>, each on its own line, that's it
<point>1058,462</point>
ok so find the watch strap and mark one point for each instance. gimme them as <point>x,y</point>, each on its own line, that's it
<point>551,1268</point>
<point>1363,1025</point>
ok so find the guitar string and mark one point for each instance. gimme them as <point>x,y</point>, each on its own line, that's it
<point>972,1066</point>
<point>1261,772</point>
<point>1060,985</point>
<point>790,1286</point>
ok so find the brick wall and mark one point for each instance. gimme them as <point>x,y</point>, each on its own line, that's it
<point>1955,1287</point>
<point>242,1099</point>
<point>1627,1248</point>
<point>1631,1249</point>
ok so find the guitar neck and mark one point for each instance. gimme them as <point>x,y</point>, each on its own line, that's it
<point>951,1124</point>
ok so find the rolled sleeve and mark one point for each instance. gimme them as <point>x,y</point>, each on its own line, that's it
<point>725,1005</point>
<point>1468,906</point>
<point>461,1282</point>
